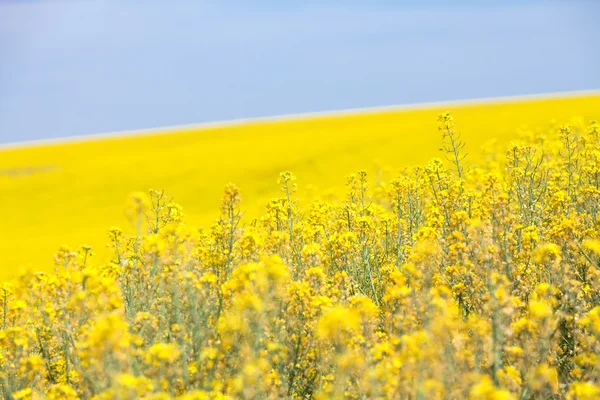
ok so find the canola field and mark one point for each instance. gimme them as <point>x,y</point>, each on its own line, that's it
<point>71,193</point>
<point>463,276</point>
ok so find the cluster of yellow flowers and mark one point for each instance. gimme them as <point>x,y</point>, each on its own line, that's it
<point>471,281</point>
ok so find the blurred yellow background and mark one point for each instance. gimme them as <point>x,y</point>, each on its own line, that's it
<point>71,193</point>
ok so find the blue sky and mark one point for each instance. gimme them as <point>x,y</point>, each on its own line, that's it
<point>82,66</point>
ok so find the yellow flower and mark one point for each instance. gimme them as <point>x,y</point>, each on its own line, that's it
<point>592,245</point>
<point>584,391</point>
<point>335,321</point>
<point>510,377</point>
<point>130,384</point>
<point>546,253</point>
<point>25,394</point>
<point>592,319</point>
<point>209,278</point>
<point>539,309</point>
<point>163,352</point>
<point>18,305</point>
<point>61,392</point>
<point>485,390</point>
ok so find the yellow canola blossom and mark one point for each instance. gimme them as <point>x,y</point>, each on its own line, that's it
<point>450,280</point>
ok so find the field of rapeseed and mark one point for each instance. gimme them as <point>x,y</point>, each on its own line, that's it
<point>70,193</point>
<point>449,280</point>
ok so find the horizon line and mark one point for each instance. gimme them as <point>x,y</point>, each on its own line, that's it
<point>171,129</point>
